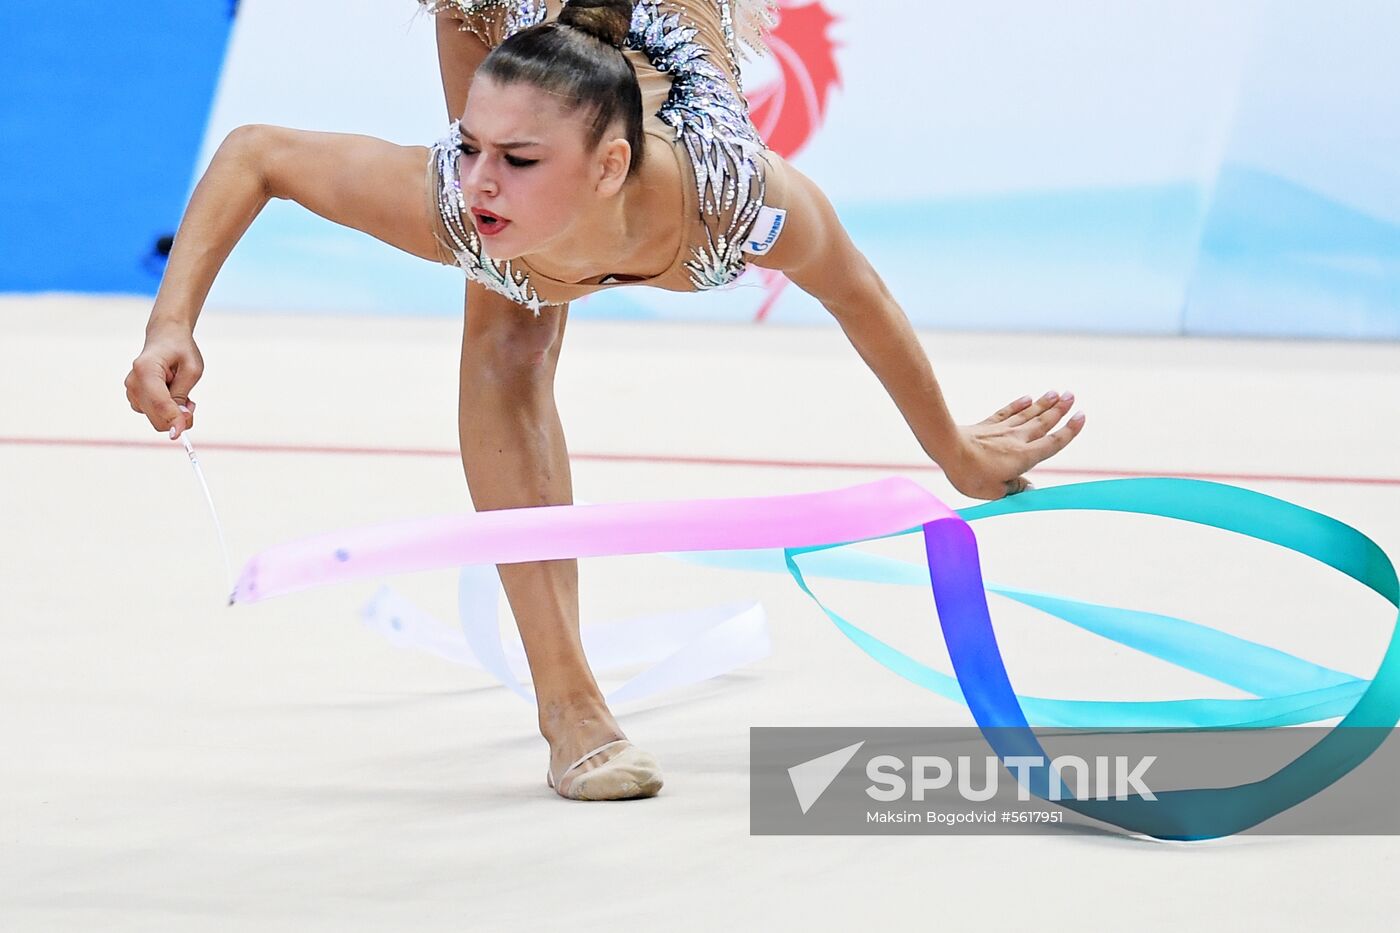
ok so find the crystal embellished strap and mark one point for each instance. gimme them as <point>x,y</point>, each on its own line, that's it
<point>746,25</point>
<point>491,21</point>
<point>710,118</point>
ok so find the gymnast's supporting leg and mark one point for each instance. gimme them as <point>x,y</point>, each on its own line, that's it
<point>514,455</point>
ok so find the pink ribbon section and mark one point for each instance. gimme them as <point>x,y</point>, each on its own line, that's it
<point>561,532</point>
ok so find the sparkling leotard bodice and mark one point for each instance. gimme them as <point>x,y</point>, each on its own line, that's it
<point>687,59</point>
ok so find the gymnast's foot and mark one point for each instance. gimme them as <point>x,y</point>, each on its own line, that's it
<point>590,759</point>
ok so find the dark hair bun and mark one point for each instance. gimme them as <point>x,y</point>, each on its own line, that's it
<point>606,20</point>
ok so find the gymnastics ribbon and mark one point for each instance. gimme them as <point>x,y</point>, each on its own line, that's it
<point>677,648</point>
<point>808,524</point>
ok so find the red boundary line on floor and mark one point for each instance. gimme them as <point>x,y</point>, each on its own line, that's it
<point>692,460</point>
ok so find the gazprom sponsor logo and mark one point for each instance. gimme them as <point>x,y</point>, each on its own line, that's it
<point>766,230</point>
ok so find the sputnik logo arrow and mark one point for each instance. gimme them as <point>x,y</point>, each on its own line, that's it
<point>811,778</point>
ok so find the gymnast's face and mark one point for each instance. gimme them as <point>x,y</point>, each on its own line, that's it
<point>529,175</point>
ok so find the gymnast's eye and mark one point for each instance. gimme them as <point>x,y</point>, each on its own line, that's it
<point>467,149</point>
<point>521,163</point>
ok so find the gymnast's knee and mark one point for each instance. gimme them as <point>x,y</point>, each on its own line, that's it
<point>503,340</point>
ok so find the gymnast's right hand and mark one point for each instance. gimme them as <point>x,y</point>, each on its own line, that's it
<point>162,376</point>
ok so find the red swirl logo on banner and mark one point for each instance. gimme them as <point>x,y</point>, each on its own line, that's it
<point>789,109</point>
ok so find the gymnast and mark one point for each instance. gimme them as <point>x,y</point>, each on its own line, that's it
<point>597,143</point>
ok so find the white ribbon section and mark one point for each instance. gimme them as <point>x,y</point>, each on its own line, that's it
<point>678,648</point>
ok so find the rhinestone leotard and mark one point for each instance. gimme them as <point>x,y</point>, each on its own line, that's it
<point>687,59</point>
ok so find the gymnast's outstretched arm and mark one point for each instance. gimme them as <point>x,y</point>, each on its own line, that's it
<point>357,181</point>
<point>983,461</point>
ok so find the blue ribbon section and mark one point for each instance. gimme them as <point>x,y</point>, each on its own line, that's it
<point>1288,690</point>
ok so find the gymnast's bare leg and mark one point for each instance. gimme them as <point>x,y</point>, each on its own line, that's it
<point>514,455</point>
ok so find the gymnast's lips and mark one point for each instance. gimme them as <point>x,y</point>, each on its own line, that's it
<point>487,223</point>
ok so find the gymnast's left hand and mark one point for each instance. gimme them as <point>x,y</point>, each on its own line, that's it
<point>992,455</point>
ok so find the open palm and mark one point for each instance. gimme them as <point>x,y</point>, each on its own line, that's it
<point>994,453</point>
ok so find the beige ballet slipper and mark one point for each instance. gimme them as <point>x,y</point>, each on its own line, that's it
<point>628,774</point>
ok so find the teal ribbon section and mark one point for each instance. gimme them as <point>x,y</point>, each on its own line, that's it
<point>1286,690</point>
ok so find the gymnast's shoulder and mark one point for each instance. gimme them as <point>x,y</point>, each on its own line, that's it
<point>805,240</point>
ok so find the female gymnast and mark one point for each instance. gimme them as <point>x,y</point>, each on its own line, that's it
<point>598,143</point>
